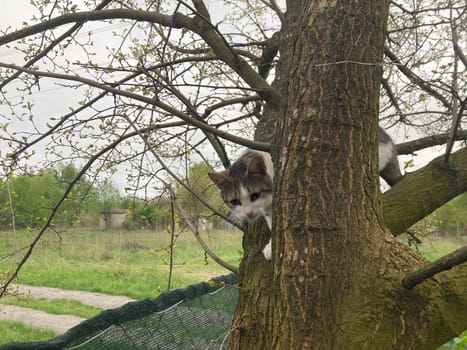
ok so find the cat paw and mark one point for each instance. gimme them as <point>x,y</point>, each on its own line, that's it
<point>267,251</point>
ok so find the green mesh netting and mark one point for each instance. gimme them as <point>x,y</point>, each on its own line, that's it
<point>196,317</point>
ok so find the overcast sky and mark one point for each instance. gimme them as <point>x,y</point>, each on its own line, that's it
<point>54,100</point>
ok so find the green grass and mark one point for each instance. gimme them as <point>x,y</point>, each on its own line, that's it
<point>458,343</point>
<point>135,264</point>
<point>11,331</point>
<point>56,306</point>
<point>434,248</point>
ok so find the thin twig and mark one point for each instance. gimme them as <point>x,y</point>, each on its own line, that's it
<point>195,232</point>
<point>172,241</point>
<point>176,178</point>
<point>416,79</point>
<point>164,106</point>
<point>456,116</point>
<point>49,48</point>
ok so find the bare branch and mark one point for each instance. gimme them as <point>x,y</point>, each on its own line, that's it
<point>455,42</point>
<point>198,25</point>
<point>173,111</point>
<point>175,21</point>
<point>202,9</point>
<point>270,50</point>
<point>428,141</point>
<point>447,262</point>
<point>213,139</point>
<point>195,232</point>
<point>456,115</point>
<point>49,48</point>
<point>416,79</point>
<point>273,5</point>
<point>390,93</point>
<point>239,100</point>
<point>172,240</point>
<point>176,178</point>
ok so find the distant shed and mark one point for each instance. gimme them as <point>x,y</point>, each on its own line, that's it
<point>112,219</point>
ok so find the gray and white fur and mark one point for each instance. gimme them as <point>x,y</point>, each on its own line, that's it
<point>246,186</point>
<point>388,165</point>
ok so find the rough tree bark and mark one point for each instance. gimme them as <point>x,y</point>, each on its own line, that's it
<point>335,278</point>
<point>429,188</point>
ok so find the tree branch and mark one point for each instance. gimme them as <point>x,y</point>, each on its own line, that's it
<point>270,50</point>
<point>175,21</point>
<point>421,192</point>
<point>195,232</point>
<point>447,262</point>
<point>169,109</point>
<point>392,98</point>
<point>54,43</point>
<point>428,141</point>
<point>416,79</point>
<point>204,28</point>
<point>213,139</point>
<point>176,178</point>
<point>198,25</point>
<point>273,5</point>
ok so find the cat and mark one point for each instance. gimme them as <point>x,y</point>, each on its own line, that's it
<point>246,186</point>
<point>388,166</point>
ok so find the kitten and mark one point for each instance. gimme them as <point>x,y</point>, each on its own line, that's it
<point>246,186</point>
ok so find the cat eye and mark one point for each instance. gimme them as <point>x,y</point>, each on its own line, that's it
<point>255,196</point>
<point>234,202</point>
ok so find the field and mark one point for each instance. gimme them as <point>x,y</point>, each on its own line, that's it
<point>435,247</point>
<point>135,264</point>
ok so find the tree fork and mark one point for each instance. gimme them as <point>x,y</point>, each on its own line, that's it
<point>336,273</point>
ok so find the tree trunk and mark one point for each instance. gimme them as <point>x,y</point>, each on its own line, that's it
<point>334,281</point>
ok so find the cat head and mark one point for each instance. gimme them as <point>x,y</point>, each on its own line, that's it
<point>246,186</point>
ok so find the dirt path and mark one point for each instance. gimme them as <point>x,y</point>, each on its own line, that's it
<point>38,319</point>
<point>57,323</point>
<point>103,301</point>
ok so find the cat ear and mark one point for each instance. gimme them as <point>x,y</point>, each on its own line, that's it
<point>257,165</point>
<point>219,178</point>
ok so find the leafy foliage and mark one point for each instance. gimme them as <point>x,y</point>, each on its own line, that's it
<point>148,215</point>
<point>200,185</point>
<point>451,218</point>
<point>31,198</point>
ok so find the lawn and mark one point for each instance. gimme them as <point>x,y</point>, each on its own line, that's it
<point>12,331</point>
<point>55,307</point>
<point>435,247</point>
<point>136,264</point>
<point>129,263</point>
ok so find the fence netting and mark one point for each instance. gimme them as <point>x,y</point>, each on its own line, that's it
<point>193,318</point>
